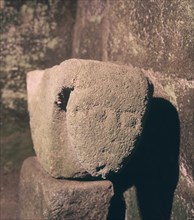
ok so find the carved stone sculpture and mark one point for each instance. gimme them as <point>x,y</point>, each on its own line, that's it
<point>86,116</point>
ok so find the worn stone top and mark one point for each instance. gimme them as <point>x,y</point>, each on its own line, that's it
<point>86,116</point>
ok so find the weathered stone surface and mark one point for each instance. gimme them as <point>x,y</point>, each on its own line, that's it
<point>43,197</point>
<point>48,122</point>
<point>33,36</point>
<point>148,34</point>
<point>162,170</point>
<point>89,30</point>
<point>157,35</point>
<point>180,92</point>
<point>86,113</point>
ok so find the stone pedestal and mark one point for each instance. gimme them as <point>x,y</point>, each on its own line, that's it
<point>43,197</point>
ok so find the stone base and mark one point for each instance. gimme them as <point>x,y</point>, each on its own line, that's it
<point>43,197</point>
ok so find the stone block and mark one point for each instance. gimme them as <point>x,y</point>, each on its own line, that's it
<point>44,197</point>
<point>86,117</point>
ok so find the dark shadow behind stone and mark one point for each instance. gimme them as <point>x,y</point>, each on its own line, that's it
<point>154,168</point>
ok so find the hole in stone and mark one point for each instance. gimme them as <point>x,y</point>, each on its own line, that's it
<point>100,167</point>
<point>63,98</point>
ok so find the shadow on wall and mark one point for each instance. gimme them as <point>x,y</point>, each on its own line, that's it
<point>154,168</point>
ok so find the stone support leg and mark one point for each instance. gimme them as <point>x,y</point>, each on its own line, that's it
<point>43,197</point>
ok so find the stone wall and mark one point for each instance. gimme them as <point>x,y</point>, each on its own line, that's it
<point>34,35</point>
<point>148,34</point>
<point>156,35</point>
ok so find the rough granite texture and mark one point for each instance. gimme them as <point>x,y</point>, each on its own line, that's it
<point>43,197</point>
<point>156,36</point>
<point>34,35</point>
<point>86,114</point>
<point>158,184</point>
<point>149,34</point>
<point>180,92</point>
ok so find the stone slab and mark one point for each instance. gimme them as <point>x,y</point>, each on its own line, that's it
<point>43,197</point>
